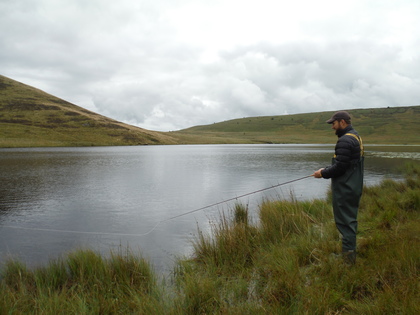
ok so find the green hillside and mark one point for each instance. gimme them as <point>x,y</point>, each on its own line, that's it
<point>32,118</point>
<point>392,125</point>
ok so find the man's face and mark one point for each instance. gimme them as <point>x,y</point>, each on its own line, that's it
<point>335,125</point>
<point>338,125</point>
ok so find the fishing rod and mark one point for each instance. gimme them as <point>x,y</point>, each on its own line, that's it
<point>234,198</point>
<point>165,220</point>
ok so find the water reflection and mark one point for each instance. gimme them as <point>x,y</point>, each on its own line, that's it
<point>108,197</point>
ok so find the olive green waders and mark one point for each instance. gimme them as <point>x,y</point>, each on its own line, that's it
<point>346,193</point>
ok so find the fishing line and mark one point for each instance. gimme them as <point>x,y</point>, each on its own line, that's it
<point>161,221</point>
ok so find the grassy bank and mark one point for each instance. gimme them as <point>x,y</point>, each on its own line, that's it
<point>282,264</point>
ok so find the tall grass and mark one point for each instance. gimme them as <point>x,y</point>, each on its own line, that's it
<point>232,244</point>
<point>284,263</point>
<point>83,283</point>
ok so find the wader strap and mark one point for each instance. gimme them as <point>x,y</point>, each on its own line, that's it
<point>358,138</point>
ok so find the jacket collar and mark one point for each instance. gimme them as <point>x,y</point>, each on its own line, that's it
<point>342,132</point>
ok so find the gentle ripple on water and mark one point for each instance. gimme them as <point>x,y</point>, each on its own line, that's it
<point>106,198</point>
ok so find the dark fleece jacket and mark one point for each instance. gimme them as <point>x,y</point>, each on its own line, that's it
<point>347,151</point>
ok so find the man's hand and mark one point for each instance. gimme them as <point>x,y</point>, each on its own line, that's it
<point>317,174</point>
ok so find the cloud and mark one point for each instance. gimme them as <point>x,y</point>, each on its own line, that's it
<point>171,64</point>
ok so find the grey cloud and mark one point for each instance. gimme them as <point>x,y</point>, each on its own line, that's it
<point>264,80</point>
<point>352,74</point>
<point>126,60</point>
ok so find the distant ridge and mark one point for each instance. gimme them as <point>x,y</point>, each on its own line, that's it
<point>30,117</point>
<point>391,125</point>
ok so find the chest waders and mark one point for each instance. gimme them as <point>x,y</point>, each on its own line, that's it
<point>346,194</point>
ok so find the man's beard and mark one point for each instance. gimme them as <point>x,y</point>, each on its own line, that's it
<point>339,131</point>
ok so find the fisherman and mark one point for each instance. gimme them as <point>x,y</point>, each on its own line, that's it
<point>346,173</point>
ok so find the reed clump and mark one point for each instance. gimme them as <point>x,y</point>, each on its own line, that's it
<point>283,263</point>
<point>231,245</point>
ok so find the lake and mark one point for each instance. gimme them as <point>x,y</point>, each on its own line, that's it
<point>55,200</point>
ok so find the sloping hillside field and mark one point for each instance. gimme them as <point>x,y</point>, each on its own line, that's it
<point>30,118</point>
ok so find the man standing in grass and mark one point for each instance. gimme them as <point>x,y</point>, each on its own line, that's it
<point>346,173</point>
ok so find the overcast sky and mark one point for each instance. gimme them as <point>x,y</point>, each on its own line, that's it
<point>172,64</point>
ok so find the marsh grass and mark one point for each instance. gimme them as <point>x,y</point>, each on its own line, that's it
<point>284,263</point>
<point>83,283</point>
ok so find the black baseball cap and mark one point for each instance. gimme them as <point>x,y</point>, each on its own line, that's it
<point>338,116</point>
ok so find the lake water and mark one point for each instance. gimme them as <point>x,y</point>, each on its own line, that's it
<point>55,200</point>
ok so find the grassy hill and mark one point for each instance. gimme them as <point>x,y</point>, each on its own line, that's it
<point>392,125</point>
<point>32,118</point>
